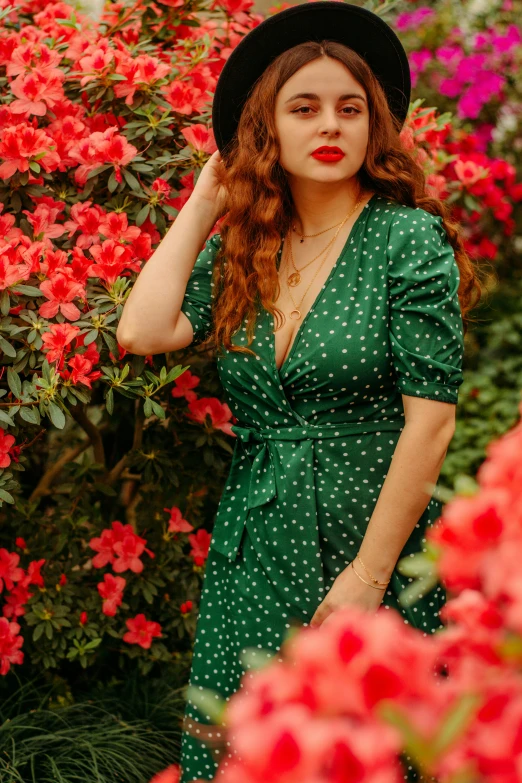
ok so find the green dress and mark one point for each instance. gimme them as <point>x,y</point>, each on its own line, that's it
<point>315,439</point>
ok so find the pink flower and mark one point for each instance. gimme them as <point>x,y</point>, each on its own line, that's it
<point>81,371</point>
<point>36,92</point>
<point>184,384</point>
<point>9,570</point>
<point>111,590</point>
<point>176,522</point>
<point>200,138</point>
<point>87,220</point>
<point>60,291</point>
<point>10,644</point>
<point>22,144</point>
<point>219,413</point>
<point>169,775</point>
<point>141,631</point>
<point>200,543</point>
<point>56,340</point>
<point>6,443</point>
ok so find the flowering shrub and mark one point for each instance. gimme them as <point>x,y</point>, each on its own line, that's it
<point>466,59</point>
<point>362,691</point>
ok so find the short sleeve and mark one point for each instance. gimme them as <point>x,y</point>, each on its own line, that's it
<point>197,302</point>
<point>426,327</point>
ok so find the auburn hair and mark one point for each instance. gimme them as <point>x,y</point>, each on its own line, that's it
<point>258,211</point>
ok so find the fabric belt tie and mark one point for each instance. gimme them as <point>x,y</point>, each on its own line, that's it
<point>254,484</point>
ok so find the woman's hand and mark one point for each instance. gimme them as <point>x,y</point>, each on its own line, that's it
<point>347,590</point>
<point>209,187</point>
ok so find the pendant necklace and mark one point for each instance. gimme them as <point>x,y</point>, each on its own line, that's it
<point>296,313</point>
<point>295,277</point>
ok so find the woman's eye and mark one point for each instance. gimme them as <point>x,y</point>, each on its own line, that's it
<point>352,110</point>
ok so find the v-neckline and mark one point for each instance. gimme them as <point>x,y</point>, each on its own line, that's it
<point>351,236</point>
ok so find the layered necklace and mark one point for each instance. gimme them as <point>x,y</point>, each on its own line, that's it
<point>294,278</point>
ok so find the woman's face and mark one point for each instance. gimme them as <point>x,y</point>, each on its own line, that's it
<point>334,113</point>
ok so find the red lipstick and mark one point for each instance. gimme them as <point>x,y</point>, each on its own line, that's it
<point>328,154</point>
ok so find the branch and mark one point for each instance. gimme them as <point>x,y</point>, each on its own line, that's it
<point>90,429</point>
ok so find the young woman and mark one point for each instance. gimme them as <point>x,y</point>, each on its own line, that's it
<point>336,294</point>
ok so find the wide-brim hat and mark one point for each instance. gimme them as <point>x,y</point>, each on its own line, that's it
<point>356,27</point>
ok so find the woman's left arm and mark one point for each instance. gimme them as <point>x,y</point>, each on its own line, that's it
<point>406,491</point>
<point>427,344</point>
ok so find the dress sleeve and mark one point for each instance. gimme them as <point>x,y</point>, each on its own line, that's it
<point>426,328</point>
<point>197,302</point>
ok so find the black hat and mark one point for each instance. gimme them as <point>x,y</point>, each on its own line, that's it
<point>356,27</point>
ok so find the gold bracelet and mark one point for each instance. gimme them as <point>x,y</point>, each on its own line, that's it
<point>376,581</point>
<point>364,580</point>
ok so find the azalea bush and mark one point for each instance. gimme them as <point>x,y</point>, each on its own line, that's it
<point>111,464</point>
<point>355,697</point>
<point>466,58</point>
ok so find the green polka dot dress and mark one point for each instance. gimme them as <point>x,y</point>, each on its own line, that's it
<point>315,440</point>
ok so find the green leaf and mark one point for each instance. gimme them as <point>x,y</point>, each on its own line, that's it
<point>147,406</point>
<point>109,399</point>
<point>255,658</point>
<point>158,410</point>
<point>7,348</point>
<point>27,290</point>
<point>14,383</point>
<point>207,701</point>
<point>30,415</point>
<point>56,415</point>
<point>38,631</point>
<point>90,337</point>
<point>132,182</point>
<point>5,302</point>
<point>5,419</point>
<point>113,182</point>
<point>456,721</point>
<point>142,215</point>
<point>6,496</point>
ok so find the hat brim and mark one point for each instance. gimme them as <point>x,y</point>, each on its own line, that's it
<point>360,29</point>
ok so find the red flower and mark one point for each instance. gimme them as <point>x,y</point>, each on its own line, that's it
<point>184,384</point>
<point>57,339</point>
<point>83,618</point>
<point>170,774</point>
<point>111,590</point>
<point>200,543</point>
<point>219,412</point>
<point>60,291</point>
<point>6,443</point>
<point>141,631</point>
<point>10,645</point>
<point>200,138</point>
<point>21,144</point>
<point>176,522</point>
<point>9,570</point>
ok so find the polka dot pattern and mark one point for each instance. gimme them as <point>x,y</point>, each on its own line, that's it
<point>315,439</point>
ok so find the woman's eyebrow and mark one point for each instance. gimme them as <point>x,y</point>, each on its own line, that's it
<point>312,96</point>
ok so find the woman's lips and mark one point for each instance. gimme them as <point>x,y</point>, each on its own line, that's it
<point>328,157</point>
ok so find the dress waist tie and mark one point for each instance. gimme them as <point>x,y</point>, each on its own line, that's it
<point>252,481</point>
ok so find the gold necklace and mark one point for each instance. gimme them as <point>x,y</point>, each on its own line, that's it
<point>295,277</point>
<point>296,307</point>
<point>312,235</point>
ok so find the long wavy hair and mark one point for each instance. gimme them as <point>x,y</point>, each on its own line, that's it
<point>258,212</point>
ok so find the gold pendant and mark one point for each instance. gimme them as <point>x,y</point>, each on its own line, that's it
<point>294,279</point>
<point>295,317</point>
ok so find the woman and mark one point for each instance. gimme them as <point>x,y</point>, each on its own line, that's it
<point>336,293</point>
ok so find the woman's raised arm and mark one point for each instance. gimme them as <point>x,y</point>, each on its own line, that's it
<point>151,321</point>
